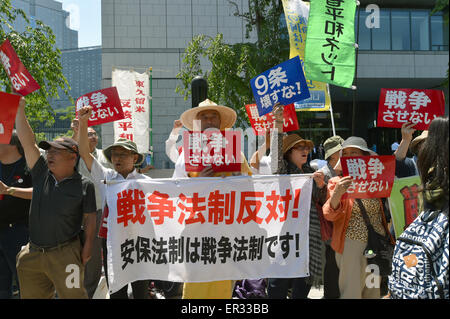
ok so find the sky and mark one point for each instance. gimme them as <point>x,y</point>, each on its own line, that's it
<point>86,18</point>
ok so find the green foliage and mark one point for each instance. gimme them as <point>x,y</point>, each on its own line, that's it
<point>36,49</point>
<point>232,66</point>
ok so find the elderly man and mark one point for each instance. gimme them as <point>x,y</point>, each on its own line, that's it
<point>208,115</point>
<point>124,157</point>
<point>61,199</point>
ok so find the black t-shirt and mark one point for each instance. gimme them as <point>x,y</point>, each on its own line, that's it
<point>57,209</point>
<point>14,210</point>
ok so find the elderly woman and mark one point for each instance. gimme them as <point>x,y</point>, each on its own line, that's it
<point>290,157</point>
<point>350,234</point>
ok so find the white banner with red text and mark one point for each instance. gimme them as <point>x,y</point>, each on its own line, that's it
<point>208,229</point>
<point>133,91</point>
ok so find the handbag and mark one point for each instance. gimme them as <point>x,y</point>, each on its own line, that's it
<point>379,249</point>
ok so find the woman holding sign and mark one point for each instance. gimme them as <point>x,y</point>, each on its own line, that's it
<point>350,234</point>
<point>290,157</point>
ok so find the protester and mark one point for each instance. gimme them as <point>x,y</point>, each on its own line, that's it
<point>406,166</point>
<point>420,266</point>
<point>332,148</point>
<point>93,269</point>
<point>260,162</point>
<point>433,165</point>
<point>124,156</point>
<point>171,149</point>
<point>210,116</point>
<point>289,156</point>
<point>350,235</point>
<point>15,196</point>
<point>61,198</point>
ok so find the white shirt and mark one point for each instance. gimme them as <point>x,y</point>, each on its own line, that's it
<point>171,148</point>
<point>99,174</point>
<point>264,166</point>
<point>180,167</point>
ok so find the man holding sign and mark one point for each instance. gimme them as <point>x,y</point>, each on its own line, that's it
<point>350,234</point>
<point>208,115</point>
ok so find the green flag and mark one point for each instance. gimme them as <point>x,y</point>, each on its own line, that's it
<point>405,202</point>
<point>330,44</point>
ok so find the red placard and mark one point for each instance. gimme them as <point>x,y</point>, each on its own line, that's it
<point>373,176</point>
<point>106,106</point>
<point>8,104</point>
<point>261,124</point>
<point>219,149</point>
<point>21,80</point>
<point>398,106</point>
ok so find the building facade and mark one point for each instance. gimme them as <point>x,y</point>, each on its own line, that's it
<point>409,49</point>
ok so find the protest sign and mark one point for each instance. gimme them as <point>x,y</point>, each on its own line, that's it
<point>261,124</point>
<point>208,229</point>
<point>296,13</point>
<point>330,50</point>
<point>133,90</point>
<point>219,149</point>
<point>8,110</point>
<point>106,106</point>
<point>373,176</point>
<point>21,80</point>
<point>398,106</point>
<point>284,84</point>
<point>405,202</point>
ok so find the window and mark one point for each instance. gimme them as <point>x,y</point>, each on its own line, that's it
<point>420,31</point>
<point>401,35</point>
<point>364,41</point>
<point>381,37</point>
<point>439,33</point>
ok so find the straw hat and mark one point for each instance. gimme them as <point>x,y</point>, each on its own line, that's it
<point>358,142</point>
<point>227,114</point>
<point>291,140</point>
<point>415,142</point>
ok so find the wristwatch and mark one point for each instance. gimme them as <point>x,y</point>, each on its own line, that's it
<point>11,191</point>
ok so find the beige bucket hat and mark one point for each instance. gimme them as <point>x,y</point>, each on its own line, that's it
<point>227,115</point>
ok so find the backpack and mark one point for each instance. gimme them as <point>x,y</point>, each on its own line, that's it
<point>420,265</point>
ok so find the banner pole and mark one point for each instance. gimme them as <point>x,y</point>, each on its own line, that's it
<point>332,120</point>
<point>355,87</point>
<point>151,117</point>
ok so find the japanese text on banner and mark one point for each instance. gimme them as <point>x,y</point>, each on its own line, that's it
<point>208,229</point>
<point>399,106</point>
<point>373,176</point>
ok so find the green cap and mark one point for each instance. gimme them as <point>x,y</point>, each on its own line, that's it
<point>126,144</point>
<point>332,145</point>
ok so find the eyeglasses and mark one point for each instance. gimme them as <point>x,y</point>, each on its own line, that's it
<point>92,134</point>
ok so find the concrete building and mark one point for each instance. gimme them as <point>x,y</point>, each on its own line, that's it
<point>410,49</point>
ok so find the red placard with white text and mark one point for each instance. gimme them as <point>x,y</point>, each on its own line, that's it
<point>373,176</point>
<point>21,80</point>
<point>398,106</point>
<point>265,122</point>
<point>106,106</point>
<point>220,150</point>
<point>8,110</point>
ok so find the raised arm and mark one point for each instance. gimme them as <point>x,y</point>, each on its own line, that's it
<point>277,164</point>
<point>26,135</point>
<point>83,140</point>
<point>407,136</point>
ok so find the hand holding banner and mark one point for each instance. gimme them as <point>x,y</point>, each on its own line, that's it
<point>399,106</point>
<point>9,104</point>
<point>373,176</point>
<point>284,84</point>
<point>21,80</point>
<point>261,124</point>
<point>106,106</point>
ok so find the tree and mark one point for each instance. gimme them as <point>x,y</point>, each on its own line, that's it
<point>442,6</point>
<point>36,49</point>
<point>232,66</point>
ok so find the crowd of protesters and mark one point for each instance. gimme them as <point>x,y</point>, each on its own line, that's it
<point>52,203</point>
